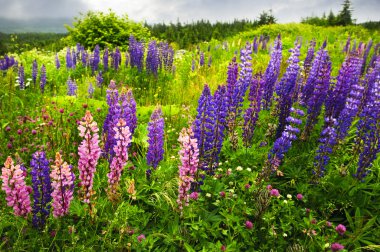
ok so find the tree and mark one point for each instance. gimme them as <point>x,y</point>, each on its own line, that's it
<point>266,17</point>
<point>345,15</point>
<point>331,19</point>
<point>105,30</point>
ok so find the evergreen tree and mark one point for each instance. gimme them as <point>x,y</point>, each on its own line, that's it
<point>345,15</point>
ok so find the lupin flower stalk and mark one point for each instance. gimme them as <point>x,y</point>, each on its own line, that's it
<point>41,188</point>
<point>369,131</point>
<point>34,72</point>
<point>189,154</point>
<point>321,80</point>
<point>369,81</point>
<point>128,109</point>
<point>21,77</point>
<point>272,72</point>
<point>69,59</point>
<point>63,186</point>
<point>155,138</point>
<point>116,59</point>
<point>99,79</point>
<point>105,60</point>
<point>327,141</point>
<point>43,78</point>
<point>96,59</point>
<point>350,110</point>
<point>255,45</point>
<point>74,54</point>
<point>119,160</point>
<point>89,153</point>
<point>111,119</point>
<point>166,55</point>
<point>346,48</point>
<point>90,90</point>
<point>16,190</point>
<point>152,58</point>
<point>285,88</point>
<point>136,51</point>
<point>71,88</point>
<point>202,59</point>
<point>57,62</point>
<point>203,124</point>
<point>252,113</point>
<point>282,145</point>
<point>365,55</point>
<point>349,75</point>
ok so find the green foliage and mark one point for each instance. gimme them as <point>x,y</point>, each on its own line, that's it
<point>105,30</point>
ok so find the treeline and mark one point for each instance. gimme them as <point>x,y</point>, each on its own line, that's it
<point>189,34</point>
<point>19,42</point>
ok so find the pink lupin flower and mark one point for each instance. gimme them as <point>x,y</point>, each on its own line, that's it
<point>63,186</point>
<point>89,153</point>
<point>119,160</point>
<point>189,154</point>
<point>15,188</point>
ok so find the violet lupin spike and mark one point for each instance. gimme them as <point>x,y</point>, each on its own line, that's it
<point>155,138</point>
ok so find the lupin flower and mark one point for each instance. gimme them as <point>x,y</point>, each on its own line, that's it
<point>272,72</point>
<point>89,153</point>
<point>99,79</point>
<point>105,59</point>
<point>255,45</point>
<point>95,59</point>
<point>189,154</point>
<point>41,188</point>
<point>285,88</point>
<point>346,48</point>
<point>43,78</point>
<point>193,65</point>
<point>282,145</point>
<point>365,55</point>
<point>119,160</point>
<point>369,130</point>
<point>155,138</point>
<point>57,62</point>
<point>128,109</point>
<point>202,59</point>
<point>63,186</point>
<point>320,81</point>
<point>309,56</point>
<point>369,81</point>
<point>16,190</point>
<point>349,75</point>
<point>136,52</point>
<point>152,58</point>
<point>34,72</point>
<point>112,118</point>
<point>327,142</point>
<point>21,77</point>
<point>71,88</point>
<point>74,54</point>
<point>90,90</point>
<point>252,113</point>
<point>69,59</point>
<point>166,56</point>
<point>116,59</point>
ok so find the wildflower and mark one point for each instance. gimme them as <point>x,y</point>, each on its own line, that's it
<point>341,229</point>
<point>328,224</point>
<point>336,247</point>
<point>194,195</point>
<point>140,238</point>
<point>248,225</point>
<point>239,168</point>
<point>247,186</point>
<point>299,196</point>
<point>289,196</point>
<point>274,193</point>
<point>155,138</point>
<point>222,194</point>
<point>208,195</point>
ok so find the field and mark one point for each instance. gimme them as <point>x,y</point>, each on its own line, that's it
<point>265,141</point>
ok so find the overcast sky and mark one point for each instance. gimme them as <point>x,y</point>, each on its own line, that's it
<point>154,11</point>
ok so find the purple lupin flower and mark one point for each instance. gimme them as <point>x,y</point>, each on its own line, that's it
<point>309,56</point>
<point>321,80</point>
<point>152,58</point>
<point>369,81</point>
<point>193,65</point>
<point>252,113</point>
<point>136,52</point>
<point>282,145</point>
<point>286,87</point>
<point>71,87</point>
<point>376,52</point>
<point>57,63</point>
<point>365,55</point>
<point>43,78</point>
<point>34,72</point>
<point>69,59</point>
<point>111,119</point>
<point>346,48</point>
<point>128,109</point>
<point>166,55</point>
<point>21,77</point>
<point>349,75</point>
<point>202,59</point>
<point>105,60</point>
<point>368,130</point>
<point>74,57</point>
<point>255,45</point>
<point>99,79</point>
<point>95,59</point>
<point>155,138</point>
<point>41,188</point>
<point>116,59</point>
<point>203,124</point>
<point>90,90</point>
<point>327,142</point>
<point>84,58</point>
<point>272,72</point>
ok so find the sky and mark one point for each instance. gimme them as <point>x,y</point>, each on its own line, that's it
<point>157,11</point>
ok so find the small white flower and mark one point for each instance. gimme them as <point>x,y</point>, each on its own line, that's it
<point>285,235</point>
<point>220,169</point>
<point>215,178</point>
<point>239,168</point>
<point>289,196</point>
<point>249,169</point>
<point>172,157</point>
<point>226,162</point>
<point>231,190</point>
<point>220,163</point>
<point>285,201</point>
<point>231,183</point>
<point>245,203</point>
<point>208,195</point>
<point>327,245</point>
